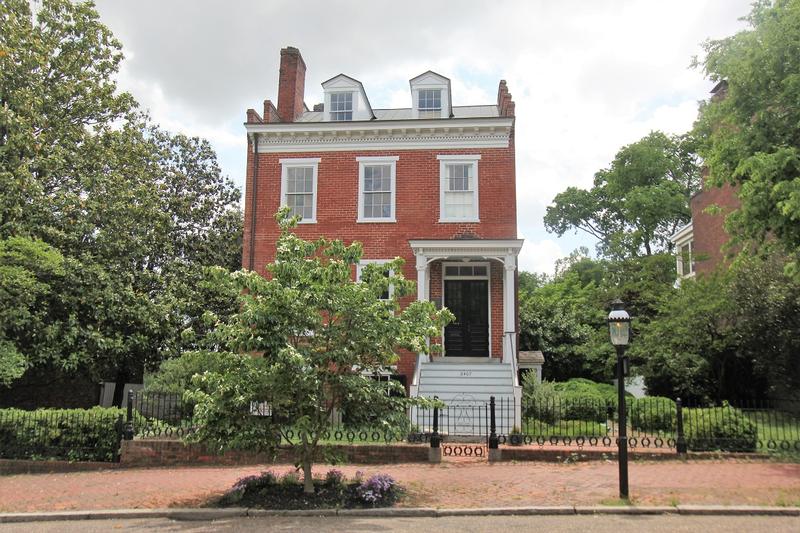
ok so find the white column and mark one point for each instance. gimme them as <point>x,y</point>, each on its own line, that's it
<point>422,278</point>
<point>422,296</point>
<point>509,315</point>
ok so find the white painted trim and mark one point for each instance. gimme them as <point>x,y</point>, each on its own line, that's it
<point>364,262</point>
<point>297,161</point>
<point>458,157</point>
<point>684,233</point>
<point>487,277</point>
<point>312,162</point>
<point>378,161</point>
<point>444,161</point>
<point>464,125</point>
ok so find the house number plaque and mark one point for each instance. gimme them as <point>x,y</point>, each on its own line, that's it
<point>466,373</point>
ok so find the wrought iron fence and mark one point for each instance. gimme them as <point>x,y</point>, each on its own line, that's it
<point>159,414</point>
<point>746,426</point>
<point>64,434</point>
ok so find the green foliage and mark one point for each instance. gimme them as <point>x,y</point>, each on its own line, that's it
<point>576,399</point>
<point>733,334</point>
<point>319,338</point>
<point>652,414</point>
<point>636,203</point>
<point>27,269</point>
<point>135,213</point>
<point>719,428</point>
<point>565,317</point>
<point>68,434</point>
<point>750,134</point>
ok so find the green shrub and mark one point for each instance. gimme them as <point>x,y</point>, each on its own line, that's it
<point>67,434</point>
<point>539,400</point>
<point>652,414</point>
<point>719,428</point>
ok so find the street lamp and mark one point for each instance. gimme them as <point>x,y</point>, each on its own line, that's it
<point>619,328</point>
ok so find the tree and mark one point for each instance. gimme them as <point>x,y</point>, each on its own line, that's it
<point>565,317</point>
<point>136,213</point>
<point>729,335</point>
<point>27,268</point>
<point>750,135</point>
<point>636,203</point>
<point>320,337</point>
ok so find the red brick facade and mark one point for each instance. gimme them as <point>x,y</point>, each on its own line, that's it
<point>417,198</point>
<point>710,237</point>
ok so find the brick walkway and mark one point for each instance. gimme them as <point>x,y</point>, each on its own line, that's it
<point>452,484</point>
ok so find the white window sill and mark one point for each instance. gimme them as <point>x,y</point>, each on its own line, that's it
<point>457,220</point>
<point>308,221</point>
<point>374,220</point>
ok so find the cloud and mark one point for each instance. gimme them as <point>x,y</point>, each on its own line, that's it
<point>587,77</point>
<point>540,256</point>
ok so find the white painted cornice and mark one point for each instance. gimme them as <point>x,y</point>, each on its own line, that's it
<point>493,132</point>
<point>444,248</point>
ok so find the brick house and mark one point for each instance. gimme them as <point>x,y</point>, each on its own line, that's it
<point>432,183</point>
<point>700,243</point>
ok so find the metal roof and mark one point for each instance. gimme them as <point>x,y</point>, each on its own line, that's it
<point>467,111</point>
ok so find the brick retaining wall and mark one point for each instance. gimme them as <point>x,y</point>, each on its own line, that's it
<point>153,452</point>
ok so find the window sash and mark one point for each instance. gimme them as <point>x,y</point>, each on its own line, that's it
<point>430,100</point>
<point>376,189</point>
<point>459,193</point>
<point>387,294</point>
<point>299,187</point>
<point>341,106</point>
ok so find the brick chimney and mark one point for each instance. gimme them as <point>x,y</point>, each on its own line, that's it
<point>291,84</point>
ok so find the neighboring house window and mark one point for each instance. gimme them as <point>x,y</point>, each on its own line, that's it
<point>387,294</point>
<point>685,259</point>
<point>459,188</point>
<point>341,106</point>
<point>299,187</point>
<point>376,188</point>
<point>430,103</point>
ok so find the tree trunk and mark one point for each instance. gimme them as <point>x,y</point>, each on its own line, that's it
<point>308,481</point>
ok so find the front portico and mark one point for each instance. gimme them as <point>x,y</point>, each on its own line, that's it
<point>476,279</point>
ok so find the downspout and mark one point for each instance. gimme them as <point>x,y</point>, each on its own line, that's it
<point>253,203</point>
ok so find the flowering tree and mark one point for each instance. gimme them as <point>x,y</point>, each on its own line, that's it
<point>308,340</point>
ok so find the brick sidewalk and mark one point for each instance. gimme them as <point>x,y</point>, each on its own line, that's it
<point>451,484</point>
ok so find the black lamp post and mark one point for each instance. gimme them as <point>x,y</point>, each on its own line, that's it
<point>619,327</point>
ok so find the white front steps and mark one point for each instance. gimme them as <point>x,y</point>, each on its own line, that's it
<point>466,388</point>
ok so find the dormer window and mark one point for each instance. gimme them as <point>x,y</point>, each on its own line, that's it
<point>430,96</point>
<point>430,103</point>
<point>341,106</point>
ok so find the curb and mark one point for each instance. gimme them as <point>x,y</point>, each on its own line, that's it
<point>240,512</point>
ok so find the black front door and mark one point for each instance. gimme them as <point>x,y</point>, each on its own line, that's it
<point>468,334</point>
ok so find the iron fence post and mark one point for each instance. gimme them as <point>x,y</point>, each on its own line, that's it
<point>435,439</point>
<point>493,440</point>
<point>680,441</point>
<point>128,433</point>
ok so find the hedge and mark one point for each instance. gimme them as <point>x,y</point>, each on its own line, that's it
<point>719,428</point>
<point>652,414</point>
<point>67,434</point>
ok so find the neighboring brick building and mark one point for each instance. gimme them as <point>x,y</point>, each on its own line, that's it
<point>700,244</point>
<point>431,183</point>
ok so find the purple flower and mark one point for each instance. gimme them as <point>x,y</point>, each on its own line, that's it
<point>376,488</point>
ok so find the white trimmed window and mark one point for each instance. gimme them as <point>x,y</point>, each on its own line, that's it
<point>299,187</point>
<point>429,103</point>
<point>459,188</point>
<point>364,262</point>
<point>376,188</point>
<point>342,106</point>
<point>685,260</point>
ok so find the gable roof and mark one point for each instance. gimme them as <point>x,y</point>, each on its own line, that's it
<point>354,82</point>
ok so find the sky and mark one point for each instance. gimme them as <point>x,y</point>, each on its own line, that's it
<point>587,77</point>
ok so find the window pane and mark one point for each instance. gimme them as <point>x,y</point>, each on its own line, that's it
<point>341,106</point>
<point>300,204</point>
<point>430,100</point>
<point>459,205</point>
<point>451,271</point>
<point>479,270</point>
